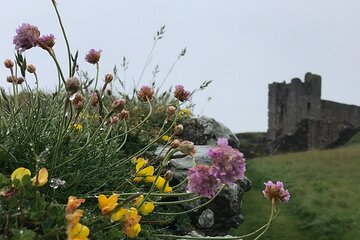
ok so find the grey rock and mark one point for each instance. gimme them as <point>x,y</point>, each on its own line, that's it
<point>206,218</point>
<point>206,131</point>
<point>226,207</point>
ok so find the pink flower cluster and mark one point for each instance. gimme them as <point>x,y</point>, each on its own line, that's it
<point>28,36</point>
<point>201,181</point>
<point>276,191</point>
<point>228,167</point>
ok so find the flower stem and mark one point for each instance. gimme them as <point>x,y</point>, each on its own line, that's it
<point>270,219</point>
<point>195,208</point>
<point>65,37</point>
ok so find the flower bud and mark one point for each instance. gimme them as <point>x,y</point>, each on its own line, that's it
<point>118,105</point>
<point>94,100</point>
<point>181,94</point>
<point>170,110</point>
<point>46,41</point>
<point>11,79</point>
<point>8,63</point>
<point>124,115</point>
<point>93,56</point>
<point>175,143</point>
<point>178,129</point>
<point>114,119</point>
<point>187,147</point>
<point>169,175</point>
<point>108,78</point>
<point>31,68</point>
<point>72,85</point>
<point>79,102</point>
<point>20,80</point>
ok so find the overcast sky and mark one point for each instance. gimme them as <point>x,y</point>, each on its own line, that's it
<point>241,45</point>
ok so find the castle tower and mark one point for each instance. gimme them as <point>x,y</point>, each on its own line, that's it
<point>290,103</point>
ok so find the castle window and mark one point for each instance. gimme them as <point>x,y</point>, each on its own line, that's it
<point>308,106</point>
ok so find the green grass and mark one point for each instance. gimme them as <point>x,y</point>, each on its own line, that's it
<point>324,188</point>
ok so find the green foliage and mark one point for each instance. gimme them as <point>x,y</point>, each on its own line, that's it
<point>323,187</point>
<point>355,140</point>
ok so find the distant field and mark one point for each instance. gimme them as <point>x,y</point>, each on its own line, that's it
<point>325,194</point>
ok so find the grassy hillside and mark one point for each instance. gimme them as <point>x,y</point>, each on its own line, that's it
<point>325,194</point>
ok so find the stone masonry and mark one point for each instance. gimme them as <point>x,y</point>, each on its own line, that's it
<point>296,109</point>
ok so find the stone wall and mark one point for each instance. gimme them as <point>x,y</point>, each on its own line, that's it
<point>291,103</point>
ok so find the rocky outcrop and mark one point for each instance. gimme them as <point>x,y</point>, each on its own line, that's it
<point>221,214</point>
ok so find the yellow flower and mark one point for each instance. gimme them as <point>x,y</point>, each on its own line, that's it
<point>19,173</point>
<point>142,172</point>
<point>165,138</point>
<point>146,207</point>
<point>74,218</point>
<point>119,215</point>
<point>140,162</point>
<point>107,205</point>
<point>161,182</point>
<point>78,127</point>
<point>41,178</point>
<point>78,232</point>
<point>73,203</point>
<point>186,112</point>
<point>132,217</point>
<point>132,231</point>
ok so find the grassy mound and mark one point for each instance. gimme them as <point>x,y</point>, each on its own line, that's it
<point>324,191</point>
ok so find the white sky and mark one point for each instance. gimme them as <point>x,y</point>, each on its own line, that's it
<point>241,45</point>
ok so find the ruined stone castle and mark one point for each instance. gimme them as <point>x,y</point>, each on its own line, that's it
<point>298,119</point>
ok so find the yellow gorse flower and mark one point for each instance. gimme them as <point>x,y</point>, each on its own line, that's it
<point>147,173</point>
<point>141,172</point>
<point>163,185</point>
<point>19,173</point>
<point>119,215</point>
<point>165,138</point>
<point>40,179</point>
<point>129,219</point>
<point>146,208</point>
<point>132,231</point>
<point>78,232</point>
<point>107,205</point>
<point>78,127</point>
<point>75,230</point>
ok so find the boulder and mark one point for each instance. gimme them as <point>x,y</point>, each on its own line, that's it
<point>206,131</point>
<point>224,212</point>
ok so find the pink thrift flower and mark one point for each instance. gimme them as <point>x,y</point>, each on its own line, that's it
<point>276,191</point>
<point>47,41</point>
<point>145,94</point>
<point>228,163</point>
<point>93,56</point>
<point>181,94</point>
<point>26,37</point>
<point>201,181</point>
